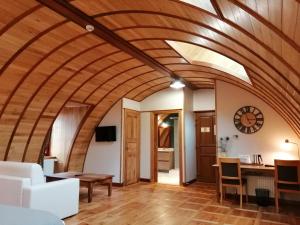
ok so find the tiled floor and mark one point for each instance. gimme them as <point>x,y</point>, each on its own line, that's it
<point>171,177</point>
<point>158,204</point>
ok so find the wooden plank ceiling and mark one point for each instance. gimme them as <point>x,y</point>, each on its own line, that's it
<point>48,59</point>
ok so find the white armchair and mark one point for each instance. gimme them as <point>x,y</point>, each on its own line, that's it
<point>23,185</point>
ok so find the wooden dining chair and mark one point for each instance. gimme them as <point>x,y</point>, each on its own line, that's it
<point>230,176</point>
<point>287,178</point>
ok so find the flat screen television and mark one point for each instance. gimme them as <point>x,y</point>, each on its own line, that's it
<point>105,133</point>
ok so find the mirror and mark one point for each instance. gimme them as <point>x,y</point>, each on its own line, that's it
<point>166,130</point>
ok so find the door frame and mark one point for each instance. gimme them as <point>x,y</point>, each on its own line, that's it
<point>124,145</point>
<point>154,142</point>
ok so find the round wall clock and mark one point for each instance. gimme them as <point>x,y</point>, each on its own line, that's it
<point>248,119</point>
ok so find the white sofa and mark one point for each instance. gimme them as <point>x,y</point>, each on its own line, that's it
<point>23,185</point>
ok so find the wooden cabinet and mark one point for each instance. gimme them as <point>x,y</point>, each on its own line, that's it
<point>165,160</point>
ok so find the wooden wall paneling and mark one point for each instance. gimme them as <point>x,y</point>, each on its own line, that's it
<point>60,95</point>
<point>150,44</point>
<point>110,98</point>
<point>31,82</point>
<point>21,10</point>
<point>11,95</point>
<point>161,53</point>
<point>136,67</point>
<point>27,29</point>
<point>118,80</point>
<point>55,105</point>
<point>146,85</point>
<point>153,89</point>
<point>17,80</point>
<point>168,60</point>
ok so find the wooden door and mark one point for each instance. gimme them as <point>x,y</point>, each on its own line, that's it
<point>131,146</point>
<point>205,145</point>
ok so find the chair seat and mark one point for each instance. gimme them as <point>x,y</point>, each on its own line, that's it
<point>234,182</point>
<point>294,187</point>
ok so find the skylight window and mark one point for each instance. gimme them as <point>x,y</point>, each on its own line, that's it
<point>203,4</point>
<point>198,55</point>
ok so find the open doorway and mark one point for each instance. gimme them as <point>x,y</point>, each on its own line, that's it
<point>166,147</point>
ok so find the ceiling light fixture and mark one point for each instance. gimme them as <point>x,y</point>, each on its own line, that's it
<point>177,84</point>
<point>89,27</point>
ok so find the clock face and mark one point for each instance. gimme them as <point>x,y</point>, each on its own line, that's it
<point>248,119</point>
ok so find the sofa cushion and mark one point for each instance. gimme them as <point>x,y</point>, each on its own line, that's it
<point>11,189</point>
<point>26,170</point>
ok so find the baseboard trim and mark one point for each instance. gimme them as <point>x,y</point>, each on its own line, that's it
<point>145,180</point>
<point>189,182</point>
<point>117,184</point>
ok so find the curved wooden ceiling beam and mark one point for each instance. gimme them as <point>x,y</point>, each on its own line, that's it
<point>207,26</point>
<point>18,18</point>
<point>29,43</point>
<point>251,51</point>
<point>266,23</point>
<point>38,89</point>
<point>154,89</point>
<point>74,14</point>
<point>271,78</point>
<point>237,60</point>
<point>65,101</point>
<point>18,84</point>
<point>145,86</point>
<point>61,88</point>
<point>120,90</point>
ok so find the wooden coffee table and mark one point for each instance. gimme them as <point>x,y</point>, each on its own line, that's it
<point>86,179</point>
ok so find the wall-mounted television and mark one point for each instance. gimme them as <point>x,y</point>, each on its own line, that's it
<point>105,133</point>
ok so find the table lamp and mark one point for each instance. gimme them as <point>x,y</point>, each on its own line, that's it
<point>294,143</point>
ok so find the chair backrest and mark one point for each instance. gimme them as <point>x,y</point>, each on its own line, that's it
<point>229,169</point>
<point>287,172</point>
<point>26,170</point>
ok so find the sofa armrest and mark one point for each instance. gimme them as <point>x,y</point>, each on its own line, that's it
<point>11,189</point>
<point>58,197</point>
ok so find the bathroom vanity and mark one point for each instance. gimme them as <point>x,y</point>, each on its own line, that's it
<point>165,159</point>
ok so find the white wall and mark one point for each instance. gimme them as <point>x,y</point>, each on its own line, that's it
<point>204,99</point>
<point>145,165</point>
<point>189,137</point>
<point>269,140</point>
<point>105,157</point>
<point>163,100</point>
<point>131,104</point>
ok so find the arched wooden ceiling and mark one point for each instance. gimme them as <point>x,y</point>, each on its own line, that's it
<point>48,58</point>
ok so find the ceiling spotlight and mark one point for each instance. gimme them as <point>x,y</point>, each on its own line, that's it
<point>89,27</point>
<point>177,84</point>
